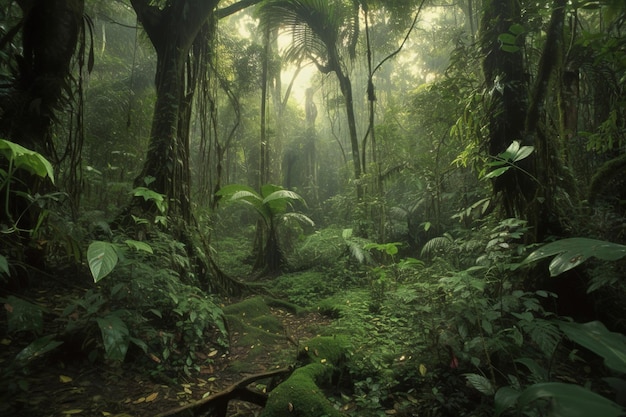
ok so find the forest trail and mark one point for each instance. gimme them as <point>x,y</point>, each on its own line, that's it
<point>65,386</point>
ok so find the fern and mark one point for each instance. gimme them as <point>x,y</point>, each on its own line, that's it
<point>438,243</point>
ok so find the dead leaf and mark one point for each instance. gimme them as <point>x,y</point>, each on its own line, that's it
<point>422,369</point>
<point>140,400</point>
<point>65,379</point>
<point>152,397</point>
<point>72,412</point>
<point>5,342</point>
<point>212,353</point>
<point>8,307</point>
<point>290,407</point>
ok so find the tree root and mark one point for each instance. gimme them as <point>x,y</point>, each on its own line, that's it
<point>216,405</point>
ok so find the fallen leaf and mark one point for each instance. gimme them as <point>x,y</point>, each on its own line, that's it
<point>8,307</point>
<point>140,400</point>
<point>65,379</point>
<point>290,407</point>
<point>152,397</point>
<point>5,342</point>
<point>71,412</point>
<point>422,369</point>
<point>212,353</point>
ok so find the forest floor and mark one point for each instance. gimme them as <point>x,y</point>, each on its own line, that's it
<point>60,385</point>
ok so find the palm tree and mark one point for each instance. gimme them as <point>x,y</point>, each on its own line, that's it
<point>319,30</point>
<point>271,205</point>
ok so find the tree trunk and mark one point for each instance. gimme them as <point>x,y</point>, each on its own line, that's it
<point>172,30</point>
<point>505,79</point>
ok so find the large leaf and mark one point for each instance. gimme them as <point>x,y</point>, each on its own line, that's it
<point>574,251</point>
<point>568,400</point>
<point>115,336</point>
<point>594,336</point>
<point>279,200</point>
<point>102,258</point>
<point>36,349</point>
<point>23,158</point>
<point>505,398</point>
<point>138,245</point>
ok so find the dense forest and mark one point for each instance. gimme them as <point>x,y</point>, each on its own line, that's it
<point>313,208</point>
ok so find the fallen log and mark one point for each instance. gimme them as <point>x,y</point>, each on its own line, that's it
<point>216,405</point>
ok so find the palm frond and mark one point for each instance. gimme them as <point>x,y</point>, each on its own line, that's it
<point>314,25</point>
<point>438,243</point>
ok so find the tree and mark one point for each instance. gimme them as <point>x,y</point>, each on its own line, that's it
<point>271,204</point>
<point>319,30</point>
<point>37,85</point>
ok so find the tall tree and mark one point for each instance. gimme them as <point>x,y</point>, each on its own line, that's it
<point>504,72</point>
<point>36,86</point>
<point>319,30</point>
<point>179,31</point>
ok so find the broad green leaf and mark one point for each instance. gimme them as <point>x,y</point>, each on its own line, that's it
<point>481,383</point>
<point>538,372</point>
<point>496,172</point>
<point>301,218</point>
<point>37,348</point>
<point>228,190</point>
<point>505,398</point>
<point>517,29</point>
<point>574,251</point>
<point>515,152</point>
<point>507,38</point>
<point>138,245</point>
<point>509,48</point>
<point>26,159</point>
<point>102,258</point>
<point>115,336</point>
<point>569,400</point>
<point>594,336</point>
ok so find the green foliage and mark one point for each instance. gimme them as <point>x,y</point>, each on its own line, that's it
<point>559,400</point>
<point>573,251</point>
<point>271,204</point>
<point>23,316</point>
<point>508,159</point>
<point>104,256</point>
<point>611,346</point>
<point>22,158</point>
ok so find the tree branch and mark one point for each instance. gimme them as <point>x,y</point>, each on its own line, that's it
<point>234,8</point>
<point>217,404</point>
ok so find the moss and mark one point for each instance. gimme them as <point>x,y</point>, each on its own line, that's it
<point>325,349</point>
<point>267,323</point>
<point>251,307</point>
<point>299,396</point>
<point>250,334</point>
<point>286,305</point>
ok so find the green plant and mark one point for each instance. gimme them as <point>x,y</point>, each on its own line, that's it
<point>271,205</point>
<point>561,399</point>
<point>20,158</point>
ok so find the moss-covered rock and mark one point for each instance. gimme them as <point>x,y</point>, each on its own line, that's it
<point>301,395</point>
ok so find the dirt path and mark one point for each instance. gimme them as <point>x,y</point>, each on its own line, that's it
<point>78,388</point>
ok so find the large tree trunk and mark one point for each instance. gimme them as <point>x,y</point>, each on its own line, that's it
<point>172,31</point>
<point>29,105</point>
<point>505,79</point>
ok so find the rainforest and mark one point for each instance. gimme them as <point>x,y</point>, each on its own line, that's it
<point>313,208</point>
